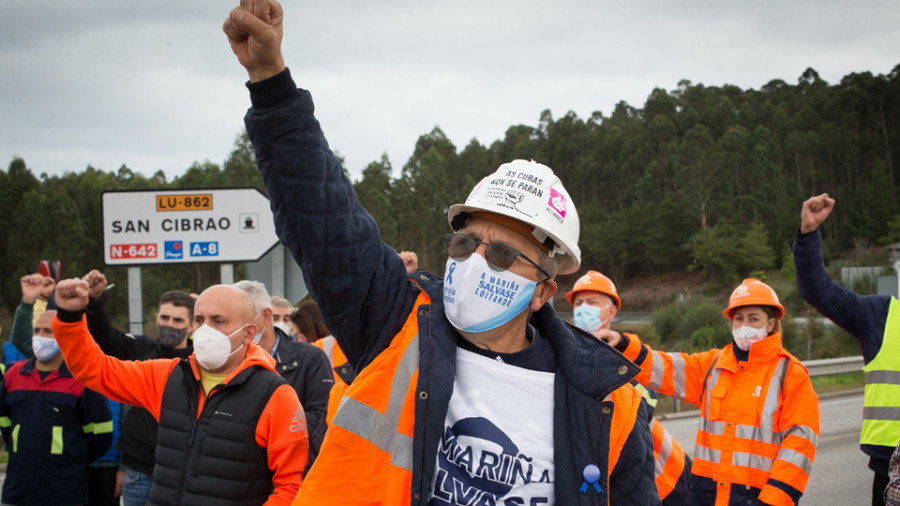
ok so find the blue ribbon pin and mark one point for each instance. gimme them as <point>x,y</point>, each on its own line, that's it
<point>591,476</point>
<point>450,274</point>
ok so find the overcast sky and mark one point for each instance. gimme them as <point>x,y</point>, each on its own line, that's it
<point>154,85</point>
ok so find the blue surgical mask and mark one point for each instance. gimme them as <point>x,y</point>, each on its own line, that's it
<point>259,334</point>
<point>587,318</point>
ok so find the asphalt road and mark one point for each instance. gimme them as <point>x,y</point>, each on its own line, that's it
<point>840,474</point>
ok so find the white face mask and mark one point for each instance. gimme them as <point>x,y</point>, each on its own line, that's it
<point>746,335</point>
<point>285,327</point>
<point>478,298</point>
<point>212,347</point>
<point>44,348</point>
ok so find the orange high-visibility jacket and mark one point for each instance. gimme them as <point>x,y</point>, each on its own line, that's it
<point>142,383</point>
<point>671,464</point>
<point>337,359</point>
<point>670,460</point>
<point>367,453</point>
<point>759,419</point>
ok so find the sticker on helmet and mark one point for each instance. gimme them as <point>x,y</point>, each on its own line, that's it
<point>558,202</point>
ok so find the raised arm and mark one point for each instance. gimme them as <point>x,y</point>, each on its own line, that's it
<point>23,322</point>
<point>863,316</point>
<point>679,375</point>
<point>111,340</point>
<point>359,282</point>
<point>135,383</point>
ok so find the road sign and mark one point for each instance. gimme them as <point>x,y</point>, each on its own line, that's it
<point>220,225</point>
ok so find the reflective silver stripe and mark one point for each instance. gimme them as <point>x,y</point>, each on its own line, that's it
<point>657,372</point>
<point>773,396</point>
<point>713,378</point>
<point>665,450</point>
<point>796,458</point>
<point>367,423</point>
<point>751,460</point>
<point>678,375</point>
<point>407,366</point>
<point>708,454</point>
<point>802,431</point>
<point>873,413</point>
<point>712,426</point>
<point>757,434</point>
<point>381,430</point>
<point>328,348</point>
<point>886,377</point>
<point>767,436</point>
<point>765,432</point>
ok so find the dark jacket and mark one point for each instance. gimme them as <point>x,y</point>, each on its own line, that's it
<point>219,458</point>
<point>137,442</point>
<point>54,428</point>
<point>306,368</point>
<point>863,316</point>
<point>364,294</point>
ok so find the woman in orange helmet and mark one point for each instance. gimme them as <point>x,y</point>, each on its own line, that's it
<point>759,414</point>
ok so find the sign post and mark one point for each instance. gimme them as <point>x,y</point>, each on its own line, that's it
<point>212,225</point>
<point>220,225</point>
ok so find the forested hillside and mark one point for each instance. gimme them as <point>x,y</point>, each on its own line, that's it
<point>707,178</point>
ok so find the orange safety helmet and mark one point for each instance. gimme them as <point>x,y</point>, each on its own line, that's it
<point>596,282</point>
<point>753,292</point>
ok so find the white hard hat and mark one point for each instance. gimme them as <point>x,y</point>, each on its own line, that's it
<point>531,193</point>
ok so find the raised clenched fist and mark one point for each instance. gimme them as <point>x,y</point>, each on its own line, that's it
<point>72,294</point>
<point>815,211</point>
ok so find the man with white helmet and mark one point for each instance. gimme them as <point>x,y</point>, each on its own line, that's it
<point>470,389</point>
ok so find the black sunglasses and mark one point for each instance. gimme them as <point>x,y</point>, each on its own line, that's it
<point>499,256</point>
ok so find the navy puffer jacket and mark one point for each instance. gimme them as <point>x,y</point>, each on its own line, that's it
<point>365,296</point>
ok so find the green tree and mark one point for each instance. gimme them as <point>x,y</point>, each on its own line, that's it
<point>728,252</point>
<point>376,194</point>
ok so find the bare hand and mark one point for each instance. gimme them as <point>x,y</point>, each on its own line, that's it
<point>610,336</point>
<point>410,261</point>
<point>120,481</point>
<point>31,287</point>
<point>814,212</point>
<point>72,294</point>
<point>96,280</point>
<point>254,31</point>
<point>47,287</point>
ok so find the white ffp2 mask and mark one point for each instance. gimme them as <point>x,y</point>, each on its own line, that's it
<point>44,348</point>
<point>212,347</point>
<point>478,298</point>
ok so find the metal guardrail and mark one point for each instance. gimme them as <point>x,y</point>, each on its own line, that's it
<point>829,366</point>
<point>820,367</point>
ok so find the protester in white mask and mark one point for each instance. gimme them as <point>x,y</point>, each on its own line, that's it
<point>475,364</point>
<point>304,366</point>
<point>758,406</point>
<point>281,314</point>
<point>217,408</point>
